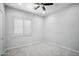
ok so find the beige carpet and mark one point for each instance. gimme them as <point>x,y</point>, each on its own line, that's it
<point>40,49</point>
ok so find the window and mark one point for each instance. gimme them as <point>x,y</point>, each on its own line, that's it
<point>27,26</point>
<point>18,26</point>
<point>22,26</point>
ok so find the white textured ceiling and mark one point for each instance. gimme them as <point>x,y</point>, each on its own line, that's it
<point>29,7</point>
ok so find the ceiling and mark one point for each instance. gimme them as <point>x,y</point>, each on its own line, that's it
<point>29,7</point>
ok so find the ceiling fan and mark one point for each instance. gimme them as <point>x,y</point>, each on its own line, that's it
<point>42,5</point>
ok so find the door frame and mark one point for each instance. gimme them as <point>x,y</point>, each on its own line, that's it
<point>3,32</point>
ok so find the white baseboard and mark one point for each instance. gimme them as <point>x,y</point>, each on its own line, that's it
<point>0,54</point>
<point>62,46</point>
<point>47,42</point>
<point>28,44</point>
<point>4,54</point>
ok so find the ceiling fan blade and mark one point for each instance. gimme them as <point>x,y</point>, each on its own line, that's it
<point>44,8</point>
<point>36,7</point>
<point>38,3</point>
<point>47,4</point>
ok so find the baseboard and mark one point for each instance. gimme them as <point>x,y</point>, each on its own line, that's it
<point>29,44</point>
<point>62,46</point>
<point>4,54</point>
<point>0,54</point>
<point>47,42</point>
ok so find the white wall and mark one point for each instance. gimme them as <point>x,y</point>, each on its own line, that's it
<point>62,27</point>
<point>37,26</point>
<point>2,34</point>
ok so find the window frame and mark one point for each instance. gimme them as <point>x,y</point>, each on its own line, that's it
<point>22,34</point>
